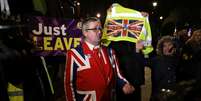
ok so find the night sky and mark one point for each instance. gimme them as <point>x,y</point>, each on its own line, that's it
<point>164,6</point>
<point>176,12</point>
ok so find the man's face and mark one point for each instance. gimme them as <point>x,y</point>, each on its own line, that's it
<point>93,33</point>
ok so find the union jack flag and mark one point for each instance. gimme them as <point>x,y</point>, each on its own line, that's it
<point>124,28</point>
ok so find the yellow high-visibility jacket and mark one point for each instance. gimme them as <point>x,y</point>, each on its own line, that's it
<point>15,93</point>
<point>124,24</point>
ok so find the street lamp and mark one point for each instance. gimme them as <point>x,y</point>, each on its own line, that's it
<point>161,17</point>
<point>98,15</point>
<point>154,3</point>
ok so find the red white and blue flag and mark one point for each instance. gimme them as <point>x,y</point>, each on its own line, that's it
<point>124,28</point>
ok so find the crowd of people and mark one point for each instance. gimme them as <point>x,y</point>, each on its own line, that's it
<point>94,72</point>
<point>93,76</point>
<point>175,68</point>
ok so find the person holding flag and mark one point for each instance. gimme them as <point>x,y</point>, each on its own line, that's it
<point>128,32</point>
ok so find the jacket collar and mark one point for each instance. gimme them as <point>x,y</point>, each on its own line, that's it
<point>88,48</point>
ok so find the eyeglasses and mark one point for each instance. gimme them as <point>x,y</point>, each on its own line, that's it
<point>95,29</point>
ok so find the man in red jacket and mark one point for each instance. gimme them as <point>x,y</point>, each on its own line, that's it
<point>92,69</point>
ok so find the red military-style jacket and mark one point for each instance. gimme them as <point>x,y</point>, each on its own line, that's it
<point>90,74</point>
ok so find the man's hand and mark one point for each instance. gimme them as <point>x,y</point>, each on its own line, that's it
<point>144,14</point>
<point>139,46</point>
<point>128,89</point>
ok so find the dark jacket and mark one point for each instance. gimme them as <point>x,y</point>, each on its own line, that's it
<point>5,53</point>
<point>131,63</point>
<point>163,73</point>
<point>191,62</point>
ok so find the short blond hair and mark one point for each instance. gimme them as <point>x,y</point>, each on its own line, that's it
<point>195,38</point>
